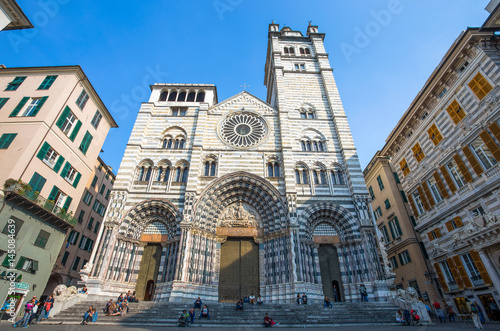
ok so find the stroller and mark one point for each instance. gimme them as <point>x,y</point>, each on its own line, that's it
<point>415,319</point>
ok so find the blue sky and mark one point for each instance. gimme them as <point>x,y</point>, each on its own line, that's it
<point>124,48</point>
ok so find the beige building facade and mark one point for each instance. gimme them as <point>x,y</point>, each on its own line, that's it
<point>80,241</point>
<point>406,255</point>
<point>52,127</point>
<point>446,149</point>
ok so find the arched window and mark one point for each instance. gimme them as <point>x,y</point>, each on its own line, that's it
<point>181,143</point>
<point>307,113</point>
<point>337,177</point>
<point>191,96</point>
<point>160,173</point>
<point>315,146</point>
<point>307,51</point>
<point>319,177</point>
<point>286,50</point>
<point>172,96</point>
<point>292,50</point>
<point>321,147</point>
<point>167,143</point>
<point>308,145</point>
<point>302,51</point>
<point>145,173</point>
<point>181,173</point>
<point>200,97</point>
<point>301,175</point>
<point>303,145</point>
<point>210,167</point>
<point>273,169</point>
<point>182,96</point>
<point>163,173</point>
<point>322,177</point>
<point>163,96</point>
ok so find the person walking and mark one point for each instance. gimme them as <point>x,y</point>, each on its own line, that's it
<point>27,314</point>
<point>439,311</point>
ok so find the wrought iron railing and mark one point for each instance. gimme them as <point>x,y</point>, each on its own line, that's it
<point>46,204</point>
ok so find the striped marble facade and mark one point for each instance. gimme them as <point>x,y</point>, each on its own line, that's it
<point>303,174</point>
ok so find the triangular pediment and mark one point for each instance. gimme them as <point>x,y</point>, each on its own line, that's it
<point>242,101</point>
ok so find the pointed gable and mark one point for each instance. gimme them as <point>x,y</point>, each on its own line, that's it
<point>242,101</point>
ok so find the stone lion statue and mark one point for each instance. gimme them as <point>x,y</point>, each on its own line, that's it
<point>411,295</point>
<point>400,293</point>
<point>62,291</point>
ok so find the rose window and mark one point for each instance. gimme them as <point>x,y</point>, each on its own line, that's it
<point>243,130</point>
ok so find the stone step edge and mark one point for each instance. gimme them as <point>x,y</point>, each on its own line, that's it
<point>288,325</point>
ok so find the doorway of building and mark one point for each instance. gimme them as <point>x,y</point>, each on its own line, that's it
<point>330,269</point>
<point>148,271</point>
<point>239,269</point>
<point>337,297</point>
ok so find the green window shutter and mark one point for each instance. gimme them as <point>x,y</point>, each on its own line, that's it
<point>6,139</point>
<point>43,151</point>
<point>67,203</point>
<point>77,179</point>
<point>64,172</point>
<point>392,231</point>
<point>53,193</point>
<point>37,182</point>
<point>47,82</point>
<point>19,106</point>
<point>76,238</point>
<point>20,263</point>
<point>401,259</point>
<point>63,116</point>
<point>87,139</point>
<point>75,131</point>
<point>6,262</point>
<point>3,101</point>
<point>59,162</point>
<point>39,106</point>
<point>34,266</point>
<point>397,225</point>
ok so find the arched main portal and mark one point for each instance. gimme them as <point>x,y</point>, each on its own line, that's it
<point>131,253</point>
<point>340,248</point>
<point>237,219</point>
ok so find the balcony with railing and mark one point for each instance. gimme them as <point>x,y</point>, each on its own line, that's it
<point>23,196</point>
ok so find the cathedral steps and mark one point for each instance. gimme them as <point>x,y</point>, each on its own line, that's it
<point>225,315</point>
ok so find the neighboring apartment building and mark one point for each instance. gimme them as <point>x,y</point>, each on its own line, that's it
<point>446,149</point>
<point>52,127</point>
<point>12,16</point>
<point>405,252</point>
<point>80,241</point>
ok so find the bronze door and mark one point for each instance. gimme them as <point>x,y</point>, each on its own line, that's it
<point>330,269</point>
<point>148,271</point>
<point>239,269</point>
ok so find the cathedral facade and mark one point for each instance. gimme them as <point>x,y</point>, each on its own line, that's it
<point>224,199</point>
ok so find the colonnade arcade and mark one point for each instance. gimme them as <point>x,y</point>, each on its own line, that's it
<point>239,217</point>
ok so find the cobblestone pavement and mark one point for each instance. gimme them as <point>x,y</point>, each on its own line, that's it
<point>441,327</point>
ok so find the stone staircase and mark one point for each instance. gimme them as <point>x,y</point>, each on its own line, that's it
<point>225,315</point>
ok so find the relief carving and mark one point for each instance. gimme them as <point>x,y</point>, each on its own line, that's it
<point>239,214</point>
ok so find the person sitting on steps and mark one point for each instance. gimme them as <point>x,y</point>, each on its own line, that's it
<point>205,313</point>
<point>239,305</point>
<point>268,321</point>
<point>197,303</point>
<point>252,299</point>
<point>327,302</point>
<point>247,299</point>
<point>304,299</point>
<point>299,299</point>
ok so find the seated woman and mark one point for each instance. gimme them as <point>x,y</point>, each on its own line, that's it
<point>87,317</point>
<point>124,307</point>
<point>113,310</point>
<point>83,290</point>
<point>399,317</point>
<point>182,322</point>
<point>205,313</point>
<point>121,298</point>
<point>239,305</point>
<point>304,299</point>
<point>299,299</point>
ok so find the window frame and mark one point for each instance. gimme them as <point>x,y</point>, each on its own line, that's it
<point>14,85</point>
<point>47,82</point>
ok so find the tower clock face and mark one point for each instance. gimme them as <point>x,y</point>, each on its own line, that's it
<point>242,129</point>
